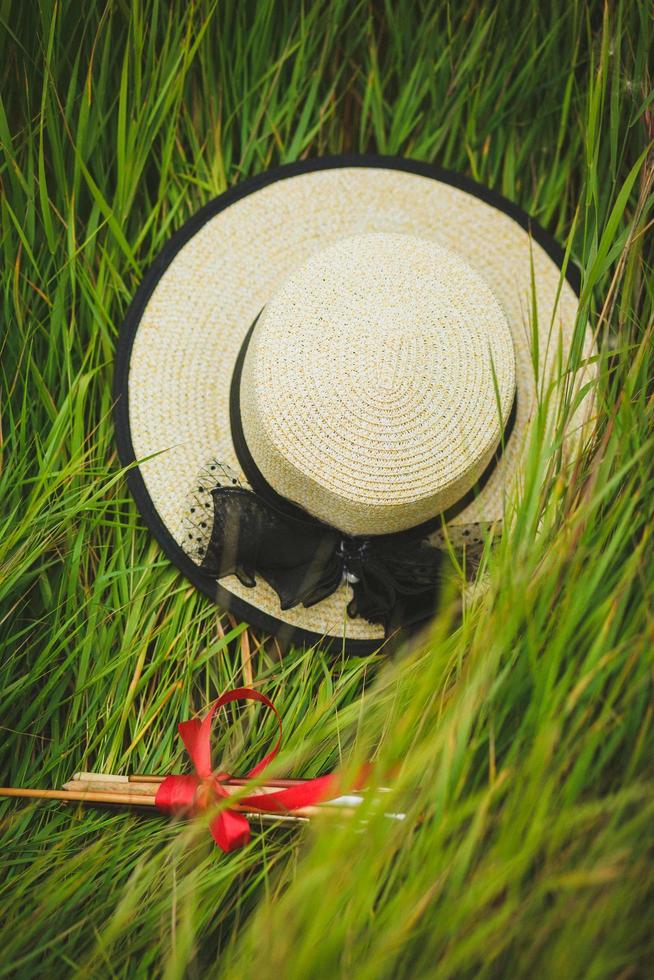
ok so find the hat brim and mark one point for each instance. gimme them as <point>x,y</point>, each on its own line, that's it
<point>183,331</point>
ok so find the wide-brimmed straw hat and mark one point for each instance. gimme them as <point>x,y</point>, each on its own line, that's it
<point>326,376</point>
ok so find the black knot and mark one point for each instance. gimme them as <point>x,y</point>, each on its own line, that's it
<point>353,552</point>
<point>393,578</point>
<point>354,547</point>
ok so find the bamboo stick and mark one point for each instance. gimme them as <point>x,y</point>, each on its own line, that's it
<point>135,792</point>
<point>142,783</point>
<point>123,799</point>
<point>147,789</point>
<point>122,793</point>
<point>109,786</point>
<point>80,796</point>
<point>148,778</point>
<point>232,781</point>
<point>103,796</point>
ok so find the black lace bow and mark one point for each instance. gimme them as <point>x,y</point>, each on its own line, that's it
<point>393,577</point>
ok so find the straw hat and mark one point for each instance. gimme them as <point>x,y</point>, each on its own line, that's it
<point>328,371</point>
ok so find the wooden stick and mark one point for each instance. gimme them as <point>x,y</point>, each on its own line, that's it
<point>122,799</point>
<point>145,783</point>
<point>135,793</point>
<point>108,786</point>
<point>232,781</point>
<point>143,778</point>
<point>148,789</point>
<point>122,793</point>
<point>273,783</point>
<point>80,796</point>
<point>100,796</point>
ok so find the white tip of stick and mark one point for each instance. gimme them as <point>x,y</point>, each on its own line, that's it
<point>346,800</point>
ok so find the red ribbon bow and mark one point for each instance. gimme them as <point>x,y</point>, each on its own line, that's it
<point>194,793</point>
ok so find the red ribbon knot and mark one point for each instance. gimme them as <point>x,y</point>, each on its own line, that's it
<point>196,792</point>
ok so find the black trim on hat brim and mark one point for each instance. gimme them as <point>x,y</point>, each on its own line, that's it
<point>239,607</point>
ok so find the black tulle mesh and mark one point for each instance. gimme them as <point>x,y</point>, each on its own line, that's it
<point>394,578</point>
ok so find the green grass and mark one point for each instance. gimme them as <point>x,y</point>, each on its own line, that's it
<point>522,731</point>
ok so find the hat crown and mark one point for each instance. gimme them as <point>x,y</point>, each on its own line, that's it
<point>377,382</point>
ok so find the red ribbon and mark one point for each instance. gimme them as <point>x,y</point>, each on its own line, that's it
<point>194,793</point>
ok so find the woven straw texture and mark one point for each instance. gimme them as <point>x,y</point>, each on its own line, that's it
<point>194,324</point>
<point>376,382</point>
